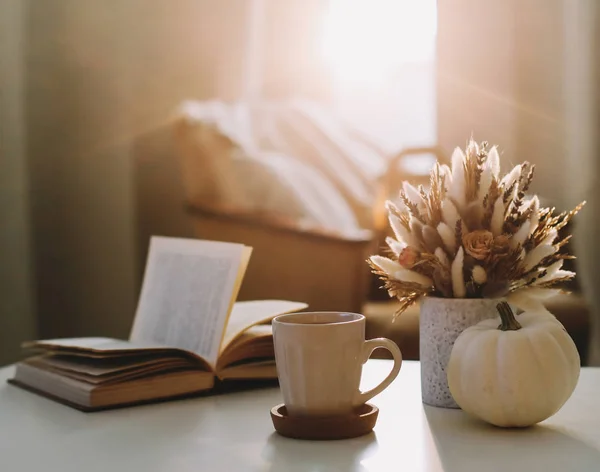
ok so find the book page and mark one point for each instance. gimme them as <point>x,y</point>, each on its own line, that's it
<point>98,349</point>
<point>98,374</point>
<point>108,367</point>
<point>94,344</point>
<point>254,342</point>
<point>188,289</point>
<point>258,370</point>
<point>247,314</point>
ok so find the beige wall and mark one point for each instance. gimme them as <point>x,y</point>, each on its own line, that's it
<point>17,320</point>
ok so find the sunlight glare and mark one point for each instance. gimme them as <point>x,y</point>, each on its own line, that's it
<point>364,41</point>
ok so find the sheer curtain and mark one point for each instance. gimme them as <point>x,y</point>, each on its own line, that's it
<point>525,75</point>
<point>17,315</point>
<point>582,119</point>
<point>80,80</point>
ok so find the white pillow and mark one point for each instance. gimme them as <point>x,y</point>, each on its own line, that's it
<point>222,165</point>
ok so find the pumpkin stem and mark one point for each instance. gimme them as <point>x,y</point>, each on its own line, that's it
<point>509,322</point>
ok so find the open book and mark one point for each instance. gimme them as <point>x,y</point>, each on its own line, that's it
<point>188,331</point>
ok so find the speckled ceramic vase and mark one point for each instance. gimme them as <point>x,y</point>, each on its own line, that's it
<point>440,323</point>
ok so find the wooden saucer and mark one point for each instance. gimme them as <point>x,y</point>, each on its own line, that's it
<point>361,422</point>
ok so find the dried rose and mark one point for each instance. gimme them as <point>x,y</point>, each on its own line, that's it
<point>501,245</point>
<point>409,257</point>
<point>478,244</point>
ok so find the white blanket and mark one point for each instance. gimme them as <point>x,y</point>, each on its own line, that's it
<point>291,159</point>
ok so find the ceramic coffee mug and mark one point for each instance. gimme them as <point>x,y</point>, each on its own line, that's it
<point>319,360</point>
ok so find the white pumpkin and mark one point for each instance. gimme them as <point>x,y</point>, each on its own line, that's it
<point>516,374</point>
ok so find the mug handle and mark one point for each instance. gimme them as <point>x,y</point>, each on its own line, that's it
<point>368,347</point>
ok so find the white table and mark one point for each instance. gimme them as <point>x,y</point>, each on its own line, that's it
<point>234,432</point>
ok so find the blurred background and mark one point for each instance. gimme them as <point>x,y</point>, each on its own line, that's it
<point>283,124</point>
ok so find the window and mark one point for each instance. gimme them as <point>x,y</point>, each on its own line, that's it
<point>380,54</point>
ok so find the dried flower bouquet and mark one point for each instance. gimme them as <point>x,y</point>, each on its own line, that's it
<point>473,234</point>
